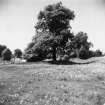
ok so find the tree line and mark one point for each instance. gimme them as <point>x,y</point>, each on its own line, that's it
<point>6,54</point>
<point>54,39</point>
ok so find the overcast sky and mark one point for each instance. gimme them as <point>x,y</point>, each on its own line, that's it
<point>18,17</point>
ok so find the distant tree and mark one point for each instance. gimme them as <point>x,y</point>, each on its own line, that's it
<point>52,29</point>
<point>98,53</point>
<point>80,44</point>
<point>6,54</point>
<point>18,53</point>
<point>2,47</point>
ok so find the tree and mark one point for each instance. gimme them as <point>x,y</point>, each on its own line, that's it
<point>2,47</point>
<point>39,48</point>
<point>80,44</point>
<point>18,53</point>
<point>98,53</point>
<point>53,28</point>
<point>6,54</point>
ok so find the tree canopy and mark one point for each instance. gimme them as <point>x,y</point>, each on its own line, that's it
<point>18,53</point>
<point>54,37</point>
<point>53,28</point>
<point>2,47</point>
<point>6,54</point>
<point>80,43</point>
<point>54,18</point>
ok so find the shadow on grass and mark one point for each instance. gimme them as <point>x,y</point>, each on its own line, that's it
<point>67,62</point>
<point>58,62</point>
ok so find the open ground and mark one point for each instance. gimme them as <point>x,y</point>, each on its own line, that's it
<point>81,82</point>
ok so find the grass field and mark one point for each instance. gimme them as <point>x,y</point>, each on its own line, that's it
<point>81,82</point>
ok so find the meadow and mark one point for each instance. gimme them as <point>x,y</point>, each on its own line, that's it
<point>81,82</point>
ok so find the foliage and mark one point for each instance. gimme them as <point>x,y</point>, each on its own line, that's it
<point>18,53</point>
<point>85,54</point>
<point>54,19</point>
<point>80,45</point>
<point>33,57</point>
<point>38,49</point>
<point>29,46</point>
<point>2,47</point>
<point>98,53</point>
<point>6,54</point>
<point>52,31</point>
<point>54,39</point>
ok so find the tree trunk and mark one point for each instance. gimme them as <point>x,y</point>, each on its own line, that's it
<point>77,53</point>
<point>54,54</point>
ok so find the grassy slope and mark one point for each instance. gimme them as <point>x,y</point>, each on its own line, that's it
<point>82,83</point>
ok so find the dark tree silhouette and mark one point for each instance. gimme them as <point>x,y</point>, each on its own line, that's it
<point>80,44</point>
<point>53,20</point>
<point>98,53</point>
<point>39,48</point>
<point>53,35</point>
<point>2,47</point>
<point>6,54</point>
<point>18,53</point>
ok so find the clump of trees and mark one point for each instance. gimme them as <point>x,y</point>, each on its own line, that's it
<point>80,45</point>
<point>6,53</point>
<point>96,53</point>
<point>54,39</point>
<point>52,30</point>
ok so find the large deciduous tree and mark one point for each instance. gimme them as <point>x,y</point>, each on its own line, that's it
<point>53,28</point>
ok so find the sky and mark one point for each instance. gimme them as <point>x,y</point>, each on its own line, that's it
<point>18,17</point>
